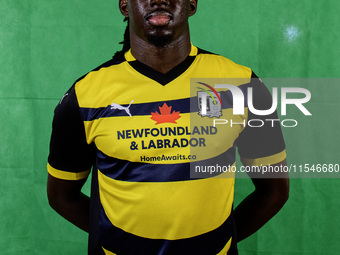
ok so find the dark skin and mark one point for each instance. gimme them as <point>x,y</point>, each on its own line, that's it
<point>169,18</point>
<point>66,198</point>
<point>263,203</point>
<point>161,59</point>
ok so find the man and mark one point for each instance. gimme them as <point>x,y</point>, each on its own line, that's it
<point>136,108</point>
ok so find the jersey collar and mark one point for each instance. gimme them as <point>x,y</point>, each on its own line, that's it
<point>160,77</point>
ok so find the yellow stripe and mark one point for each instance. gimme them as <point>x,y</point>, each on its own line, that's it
<point>108,252</point>
<point>193,51</point>
<point>128,56</point>
<point>167,210</point>
<point>66,175</point>
<point>147,90</point>
<point>270,160</point>
<point>225,249</point>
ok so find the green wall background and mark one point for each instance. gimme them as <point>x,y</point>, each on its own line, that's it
<point>46,45</point>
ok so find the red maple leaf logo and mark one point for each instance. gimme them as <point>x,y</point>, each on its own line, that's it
<point>165,116</point>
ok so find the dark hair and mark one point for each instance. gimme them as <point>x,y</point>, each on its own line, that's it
<point>126,43</point>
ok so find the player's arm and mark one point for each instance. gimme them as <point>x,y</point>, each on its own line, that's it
<point>69,163</point>
<point>262,204</point>
<point>66,198</point>
<point>261,146</point>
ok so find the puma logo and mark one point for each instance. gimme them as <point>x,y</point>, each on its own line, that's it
<point>119,107</point>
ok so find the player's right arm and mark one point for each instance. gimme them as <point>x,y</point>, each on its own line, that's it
<point>66,198</point>
<point>69,163</point>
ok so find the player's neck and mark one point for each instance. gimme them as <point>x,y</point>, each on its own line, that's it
<point>161,59</point>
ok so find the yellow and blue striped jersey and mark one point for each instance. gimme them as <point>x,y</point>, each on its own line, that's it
<point>141,133</point>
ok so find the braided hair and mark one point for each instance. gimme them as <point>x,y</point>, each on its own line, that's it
<point>126,43</point>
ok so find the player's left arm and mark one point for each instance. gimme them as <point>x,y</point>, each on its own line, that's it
<point>260,147</point>
<point>263,203</point>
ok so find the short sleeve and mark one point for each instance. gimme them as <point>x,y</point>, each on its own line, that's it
<point>70,157</point>
<point>261,142</point>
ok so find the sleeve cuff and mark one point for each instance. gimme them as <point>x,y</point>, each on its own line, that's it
<point>270,160</point>
<point>67,175</point>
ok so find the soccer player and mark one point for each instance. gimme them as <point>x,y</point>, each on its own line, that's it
<point>129,121</point>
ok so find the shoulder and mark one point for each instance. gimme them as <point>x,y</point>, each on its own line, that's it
<point>101,71</point>
<point>219,62</point>
<point>91,86</point>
